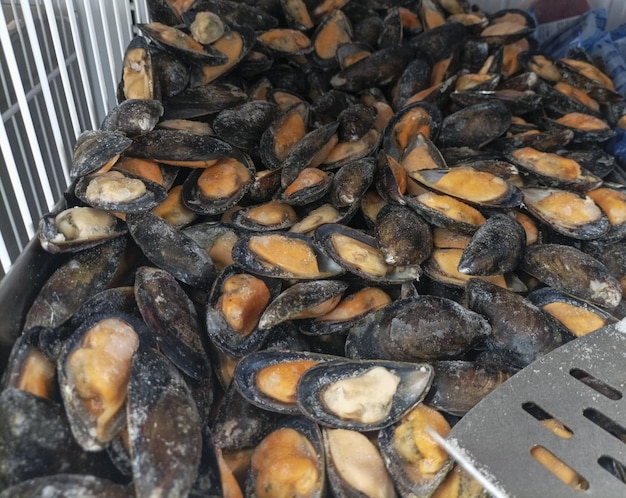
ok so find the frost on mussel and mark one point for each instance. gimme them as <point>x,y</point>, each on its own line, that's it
<point>97,150</point>
<point>164,427</point>
<point>361,395</point>
<point>176,325</point>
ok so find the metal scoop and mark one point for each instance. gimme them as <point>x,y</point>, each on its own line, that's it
<point>555,429</point>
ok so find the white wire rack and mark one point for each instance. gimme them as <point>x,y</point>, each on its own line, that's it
<point>59,69</point>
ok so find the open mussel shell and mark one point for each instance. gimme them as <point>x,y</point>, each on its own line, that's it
<point>554,170</point>
<point>309,186</point>
<point>307,299</point>
<point>585,127</point>
<point>362,395</point>
<point>283,134</point>
<point>350,311</point>
<point>480,188</point>
<point>139,80</point>
<point>172,250</point>
<point>507,26</point>
<point>235,44</point>
<point>218,187</point>
<point>97,150</point>
<point>267,217</point>
<point>181,44</point>
<point>613,203</point>
<point>587,77</point>
<point>289,461</point>
<point>77,228</point>
<point>418,465</point>
<point>94,370</point>
<point>234,308</point>
<point>358,253</point>
<point>133,117</point>
<point>568,213</point>
<point>284,255</point>
<point>217,239</point>
<point>268,378</point>
<point>331,32</point>
<point>176,326</point>
<point>420,117</point>
<point>573,272</point>
<point>443,210</point>
<point>119,191</point>
<point>577,315</point>
<point>354,465</point>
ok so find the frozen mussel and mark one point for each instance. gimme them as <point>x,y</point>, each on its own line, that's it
<point>361,395</point>
<point>421,328</point>
<point>268,378</point>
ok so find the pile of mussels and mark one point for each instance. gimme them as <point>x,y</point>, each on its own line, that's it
<point>309,230</point>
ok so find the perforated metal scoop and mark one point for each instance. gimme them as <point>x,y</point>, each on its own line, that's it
<point>570,407</point>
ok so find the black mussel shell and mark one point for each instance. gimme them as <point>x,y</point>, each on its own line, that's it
<point>419,117</point>
<point>133,117</point>
<point>402,235</point>
<point>283,134</point>
<point>158,397</point>
<point>267,217</point>
<point>307,299</point>
<point>97,150</point>
<point>179,148</point>
<point>321,399</point>
<point>199,101</point>
<point>82,276</point>
<point>351,181</point>
<point>237,13</point>
<point>243,125</point>
<point>518,327</point>
<point>170,249</point>
<point>573,272</point>
<point>176,326</point>
<point>475,125</point>
<point>458,385</point>
<point>417,329</point>
<point>66,484</point>
<point>496,247</point>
